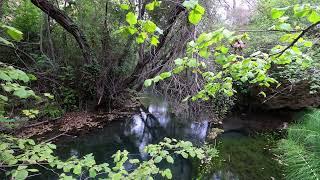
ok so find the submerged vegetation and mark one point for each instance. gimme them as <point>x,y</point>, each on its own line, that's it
<point>64,56</point>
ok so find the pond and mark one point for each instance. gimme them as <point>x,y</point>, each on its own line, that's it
<point>242,156</point>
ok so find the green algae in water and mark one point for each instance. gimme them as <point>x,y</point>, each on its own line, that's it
<point>244,158</point>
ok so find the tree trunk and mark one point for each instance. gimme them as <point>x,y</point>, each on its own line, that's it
<point>68,24</point>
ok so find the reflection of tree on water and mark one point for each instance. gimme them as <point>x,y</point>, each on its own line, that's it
<point>143,128</point>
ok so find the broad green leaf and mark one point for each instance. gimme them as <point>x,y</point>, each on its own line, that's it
<point>158,159</point>
<point>4,76</point>
<point>21,93</point>
<point>154,41</point>
<point>150,6</point>
<point>14,33</point>
<point>194,17</point>
<point>179,61</point>
<point>167,173</point>
<point>190,4</point>
<point>192,63</point>
<point>131,18</point>
<point>199,9</point>
<point>165,75</point>
<point>169,159</point>
<point>285,26</point>
<point>124,6</point>
<point>314,17</point>
<point>6,42</point>
<point>147,82</point>
<point>150,26</point>
<point>21,174</point>
<point>77,169</point>
<point>277,12</point>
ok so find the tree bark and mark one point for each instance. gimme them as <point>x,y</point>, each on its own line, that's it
<point>68,24</point>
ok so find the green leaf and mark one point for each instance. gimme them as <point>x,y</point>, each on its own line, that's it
<point>184,155</point>
<point>192,63</point>
<point>4,76</point>
<point>150,6</point>
<point>263,94</point>
<point>314,17</point>
<point>131,18</point>
<point>77,169</point>
<point>167,173</point>
<point>165,75</point>
<point>277,12</point>
<point>178,61</point>
<point>92,173</point>
<point>199,9</point>
<point>21,174</point>
<point>285,26</point>
<point>158,159</point>
<point>154,41</point>
<point>14,33</point>
<point>6,42</point>
<point>21,93</point>
<point>134,161</point>
<point>190,4</point>
<point>169,159</point>
<point>124,6</point>
<point>150,26</point>
<point>194,17</point>
<point>308,44</point>
<point>147,82</point>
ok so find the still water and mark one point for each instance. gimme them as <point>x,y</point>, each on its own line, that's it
<point>143,128</point>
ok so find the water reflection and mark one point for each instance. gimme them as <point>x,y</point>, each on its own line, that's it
<point>143,128</point>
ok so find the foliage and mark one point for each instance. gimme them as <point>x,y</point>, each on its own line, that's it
<point>21,157</point>
<point>299,152</point>
<point>237,68</point>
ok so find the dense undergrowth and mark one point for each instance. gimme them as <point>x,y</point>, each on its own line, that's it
<point>299,152</point>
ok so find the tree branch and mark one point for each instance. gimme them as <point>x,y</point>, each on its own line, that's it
<point>296,39</point>
<point>68,24</point>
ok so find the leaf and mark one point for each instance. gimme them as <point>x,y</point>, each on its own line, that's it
<point>150,6</point>
<point>14,33</point>
<point>165,75</point>
<point>6,42</point>
<point>150,26</point>
<point>158,159</point>
<point>21,174</point>
<point>285,26</point>
<point>21,93</point>
<point>77,169</point>
<point>134,161</point>
<point>4,76</point>
<point>169,159</point>
<point>277,12</point>
<point>167,173</point>
<point>192,62</point>
<point>178,61</point>
<point>92,173</point>
<point>194,17</point>
<point>184,155</point>
<point>308,44</point>
<point>131,18</point>
<point>314,17</point>
<point>147,82</point>
<point>190,4</point>
<point>154,41</point>
<point>124,6</point>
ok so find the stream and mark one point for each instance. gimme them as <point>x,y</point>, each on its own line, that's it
<point>242,156</point>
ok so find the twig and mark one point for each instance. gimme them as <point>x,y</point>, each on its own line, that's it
<point>296,40</point>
